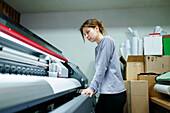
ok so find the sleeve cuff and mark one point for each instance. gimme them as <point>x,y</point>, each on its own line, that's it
<point>92,89</point>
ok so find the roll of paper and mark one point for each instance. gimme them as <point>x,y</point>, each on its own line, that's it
<point>140,47</point>
<point>156,29</point>
<point>160,30</point>
<point>122,52</point>
<point>136,33</point>
<point>162,88</point>
<point>134,45</point>
<point>122,45</point>
<point>130,31</point>
<point>127,49</point>
<point>127,44</point>
<point>127,53</point>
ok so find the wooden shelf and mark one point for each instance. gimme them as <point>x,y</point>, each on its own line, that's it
<point>164,102</point>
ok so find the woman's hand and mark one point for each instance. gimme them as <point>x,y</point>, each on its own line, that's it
<point>87,91</point>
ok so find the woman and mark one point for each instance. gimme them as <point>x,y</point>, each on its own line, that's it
<point>107,79</point>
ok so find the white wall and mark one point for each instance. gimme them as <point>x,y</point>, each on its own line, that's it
<point>61,29</point>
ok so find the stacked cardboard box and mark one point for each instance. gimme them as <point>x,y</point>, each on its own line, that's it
<point>140,88</point>
<point>156,64</point>
<point>151,82</point>
<point>134,66</point>
<point>137,96</point>
<point>145,64</point>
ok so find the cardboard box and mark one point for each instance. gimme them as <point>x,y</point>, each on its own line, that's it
<point>153,45</point>
<point>134,66</point>
<point>145,64</point>
<point>139,96</point>
<point>157,64</point>
<point>151,82</point>
<point>166,44</point>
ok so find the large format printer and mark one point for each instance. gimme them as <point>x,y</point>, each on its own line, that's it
<point>36,77</point>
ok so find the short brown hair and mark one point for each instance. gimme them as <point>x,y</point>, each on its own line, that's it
<point>92,23</point>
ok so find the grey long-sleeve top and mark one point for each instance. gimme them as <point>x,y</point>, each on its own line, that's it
<point>108,78</point>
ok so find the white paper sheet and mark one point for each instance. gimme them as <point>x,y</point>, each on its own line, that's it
<point>62,84</point>
<point>57,84</point>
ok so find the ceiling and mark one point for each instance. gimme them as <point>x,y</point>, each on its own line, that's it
<point>37,6</point>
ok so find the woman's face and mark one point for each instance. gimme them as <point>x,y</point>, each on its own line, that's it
<point>90,33</point>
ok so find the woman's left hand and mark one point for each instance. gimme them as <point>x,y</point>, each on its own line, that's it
<point>87,91</point>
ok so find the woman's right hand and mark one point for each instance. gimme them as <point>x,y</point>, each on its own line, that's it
<point>87,91</point>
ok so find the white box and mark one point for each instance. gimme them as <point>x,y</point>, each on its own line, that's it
<point>153,45</point>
